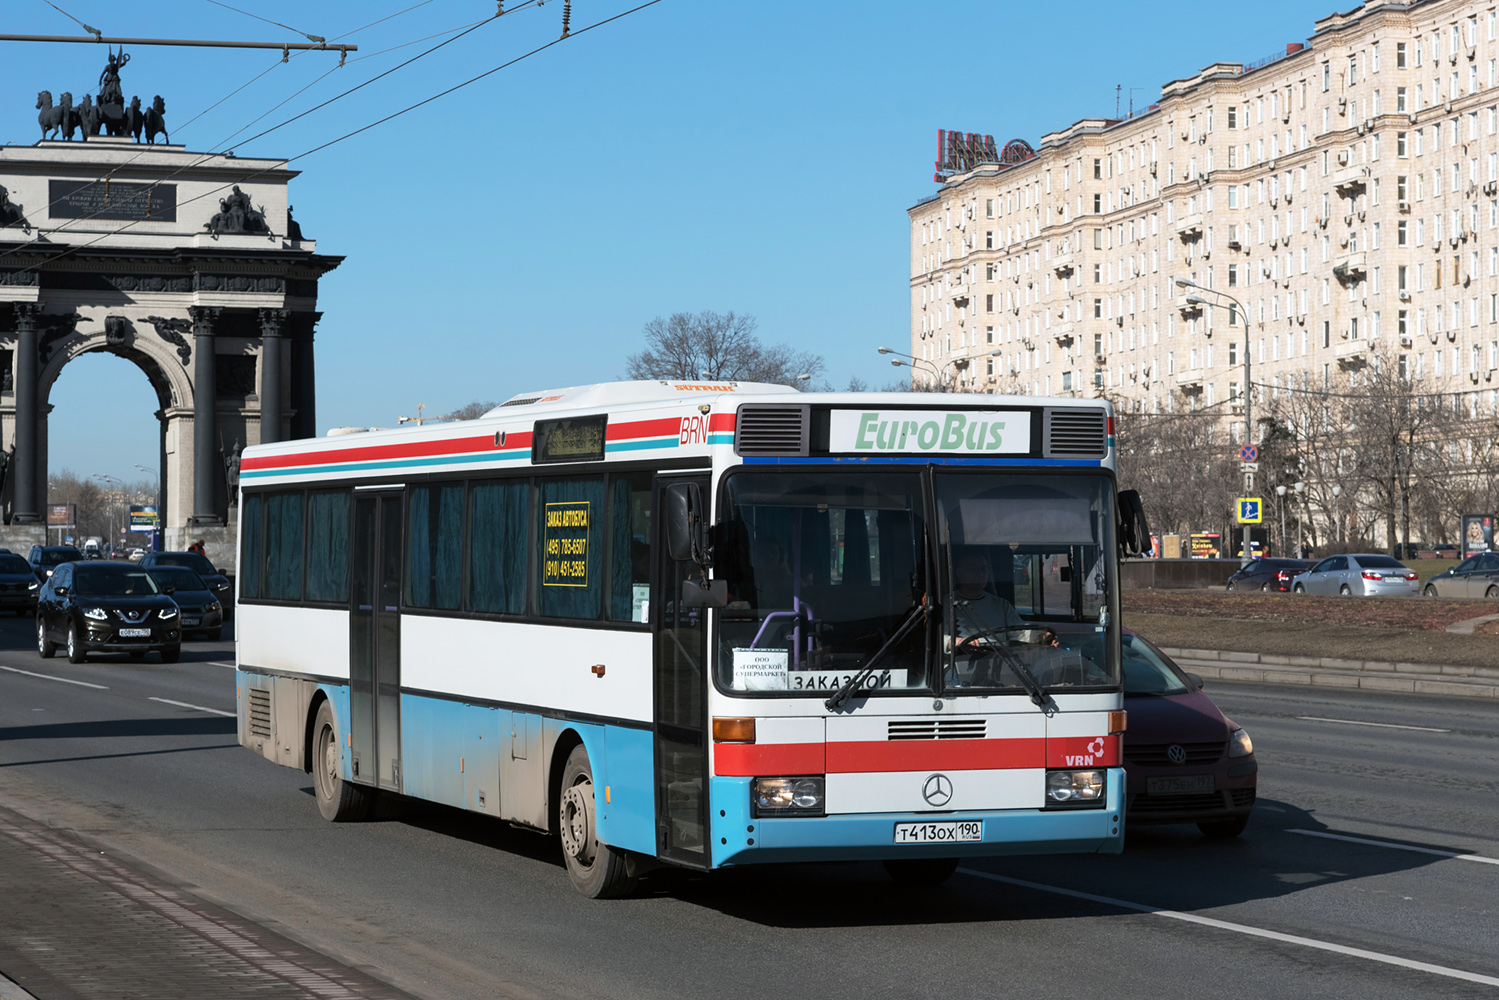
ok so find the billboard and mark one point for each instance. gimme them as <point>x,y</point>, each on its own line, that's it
<point>1478,533</point>
<point>62,515</point>
<point>144,517</point>
<point>1206,545</point>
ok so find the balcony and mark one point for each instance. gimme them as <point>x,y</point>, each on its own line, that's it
<point>960,295</point>
<point>1062,333</point>
<point>1350,267</point>
<point>1189,227</point>
<point>1351,352</point>
<point>1190,380</point>
<point>1188,309</point>
<point>1350,180</point>
<point>1064,264</point>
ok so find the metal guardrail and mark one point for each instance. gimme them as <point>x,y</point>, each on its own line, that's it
<point>931,197</point>
<point>1273,57</point>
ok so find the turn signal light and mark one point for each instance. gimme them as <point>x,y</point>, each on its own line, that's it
<point>1116,722</point>
<point>733,730</point>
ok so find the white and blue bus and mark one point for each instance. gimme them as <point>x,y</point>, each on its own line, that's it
<point>703,624</point>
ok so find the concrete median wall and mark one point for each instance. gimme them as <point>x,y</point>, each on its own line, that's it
<point>1176,574</point>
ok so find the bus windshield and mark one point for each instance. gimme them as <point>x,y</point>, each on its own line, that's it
<point>1022,551</point>
<point>825,567</point>
<point>822,569</point>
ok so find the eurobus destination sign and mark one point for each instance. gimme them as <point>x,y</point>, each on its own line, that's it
<point>923,432</point>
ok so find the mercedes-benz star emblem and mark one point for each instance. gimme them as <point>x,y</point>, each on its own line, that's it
<point>938,790</point>
<point>1176,754</point>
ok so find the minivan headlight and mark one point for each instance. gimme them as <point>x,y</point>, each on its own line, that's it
<point>1239,744</point>
<point>788,796</point>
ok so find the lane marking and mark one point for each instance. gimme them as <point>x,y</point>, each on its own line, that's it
<point>50,677</point>
<point>1459,855</point>
<point>1379,725</point>
<point>198,708</point>
<point>217,663</point>
<point>1192,918</point>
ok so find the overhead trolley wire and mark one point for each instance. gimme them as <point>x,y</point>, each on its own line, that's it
<point>282,164</point>
<point>311,38</point>
<point>206,156</point>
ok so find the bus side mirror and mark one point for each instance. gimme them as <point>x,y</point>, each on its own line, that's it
<point>686,526</point>
<point>1134,531</point>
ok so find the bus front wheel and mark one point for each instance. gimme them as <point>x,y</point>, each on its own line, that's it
<point>598,870</point>
<point>338,800</point>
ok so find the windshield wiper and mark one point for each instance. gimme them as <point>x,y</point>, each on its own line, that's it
<point>1033,687</point>
<point>918,613</point>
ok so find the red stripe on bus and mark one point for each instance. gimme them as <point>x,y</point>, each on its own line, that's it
<point>749,759</point>
<point>746,760</point>
<point>721,422</point>
<point>922,755</point>
<point>664,427</point>
<point>476,446</point>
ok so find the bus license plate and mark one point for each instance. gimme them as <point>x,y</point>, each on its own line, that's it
<point>135,633</point>
<point>953,832</point>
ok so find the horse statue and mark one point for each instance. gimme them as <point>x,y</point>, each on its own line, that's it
<point>52,119</point>
<point>135,119</point>
<point>88,117</point>
<point>156,121</point>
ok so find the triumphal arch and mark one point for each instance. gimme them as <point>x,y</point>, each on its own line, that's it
<point>187,264</point>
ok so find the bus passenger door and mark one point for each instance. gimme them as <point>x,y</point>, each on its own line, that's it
<point>375,640</point>
<point>680,699</point>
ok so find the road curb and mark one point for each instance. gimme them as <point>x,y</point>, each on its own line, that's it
<point>1450,680</point>
<point>10,991</point>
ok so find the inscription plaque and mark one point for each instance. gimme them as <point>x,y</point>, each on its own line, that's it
<point>114,200</point>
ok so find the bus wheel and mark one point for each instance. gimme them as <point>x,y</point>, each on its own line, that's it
<point>921,871</point>
<point>597,869</point>
<point>338,800</point>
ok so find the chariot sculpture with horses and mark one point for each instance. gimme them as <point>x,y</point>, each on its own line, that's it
<point>108,113</point>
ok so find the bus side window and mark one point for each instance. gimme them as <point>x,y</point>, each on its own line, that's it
<point>252,552</point>
<point>629,547</point>
<point>499,512</point>
<point>283,536</point>
<point>568,564</point>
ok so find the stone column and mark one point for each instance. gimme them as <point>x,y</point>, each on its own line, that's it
<point>206,464</point>
<point>272,337</point>
<point>24,461</point>
<point>304,376</point>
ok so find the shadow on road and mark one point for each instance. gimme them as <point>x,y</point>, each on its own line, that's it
<point>186,726</point>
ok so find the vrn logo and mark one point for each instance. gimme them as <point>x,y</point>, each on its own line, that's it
<point>1095,749</point>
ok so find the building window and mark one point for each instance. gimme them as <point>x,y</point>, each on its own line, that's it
<point>1400,55</point>
<point>989,239</point>
<point>1400,144</point>
<point>1097,169</point>
<point>989,302</point>
<point>1233,116</point>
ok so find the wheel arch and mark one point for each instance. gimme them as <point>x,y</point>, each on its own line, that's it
<point>309,724</point>
<point>569,736</point>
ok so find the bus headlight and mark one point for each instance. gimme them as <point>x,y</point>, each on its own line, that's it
<point>1239,744</point>
<point>1075,788</point>
<point>787,796</point>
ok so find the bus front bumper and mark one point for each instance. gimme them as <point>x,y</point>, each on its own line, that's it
<point>741,839</point>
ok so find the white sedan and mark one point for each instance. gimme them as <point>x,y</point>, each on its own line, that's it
<point>1368,575</point>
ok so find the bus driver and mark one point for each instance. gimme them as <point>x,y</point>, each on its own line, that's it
<point>979,613</point>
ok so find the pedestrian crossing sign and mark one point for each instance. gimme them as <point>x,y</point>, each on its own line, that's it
<point>1250,510</point>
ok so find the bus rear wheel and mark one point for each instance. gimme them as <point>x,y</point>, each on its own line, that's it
<point>598,870</point>
<point>921,871</point>
<point>338,800</point>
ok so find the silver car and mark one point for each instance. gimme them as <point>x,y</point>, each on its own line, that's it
<point>1367,575</point>
<point>1476,576</point>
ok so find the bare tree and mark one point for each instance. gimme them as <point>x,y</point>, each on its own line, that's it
<point>1180,463</point>
<point>470,411</point>
<point>717,346</point>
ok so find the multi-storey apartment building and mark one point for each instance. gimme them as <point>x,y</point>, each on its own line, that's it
<point>1341,199</point>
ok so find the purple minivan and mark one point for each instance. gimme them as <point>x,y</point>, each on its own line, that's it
<point>1184,761</point>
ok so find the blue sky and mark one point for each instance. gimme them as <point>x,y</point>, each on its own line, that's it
<point>517,234</point>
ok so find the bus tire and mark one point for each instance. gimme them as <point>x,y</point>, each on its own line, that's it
<point>921,872</point>
<point>597,870</point>
<point>338,800</point>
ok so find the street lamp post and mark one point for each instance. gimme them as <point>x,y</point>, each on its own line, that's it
<point>1280,501</point>
<point>155,541</point>
<point>1247,395</point>
<point>911,362</point>
<point>1300,488</point>
<point>1337,511</point>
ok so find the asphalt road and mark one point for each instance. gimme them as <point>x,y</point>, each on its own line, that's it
<point>446,905</point>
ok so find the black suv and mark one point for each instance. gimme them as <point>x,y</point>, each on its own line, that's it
<point>1273,575</point>
<point>218,583</point>
<point>106,607</point>
<point>44,558</point>
<point>18,584</point>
